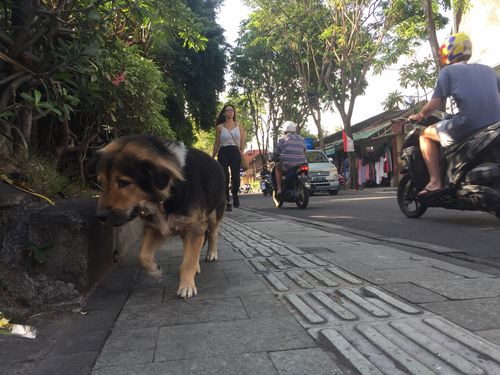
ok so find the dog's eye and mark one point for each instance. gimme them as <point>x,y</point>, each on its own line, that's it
<point>123,183</point>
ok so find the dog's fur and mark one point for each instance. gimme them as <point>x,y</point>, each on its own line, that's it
<point>174,189</point>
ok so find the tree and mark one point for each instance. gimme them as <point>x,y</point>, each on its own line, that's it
<point>263,80</point>
<point>338,42</point>
<point>79,72</point>
<point>393,101</point>
<point>434,20</point>
<point>196,77</point>
<point>293,29</point>
<point>420,75</point>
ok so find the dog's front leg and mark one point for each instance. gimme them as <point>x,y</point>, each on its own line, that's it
<point>192,244</point>
<point>150,244</point>
<point>213,234</point>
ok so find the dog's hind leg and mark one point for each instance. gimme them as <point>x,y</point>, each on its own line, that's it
<point>192,244</point>
<point>213,235</point>
<point>150,244</point>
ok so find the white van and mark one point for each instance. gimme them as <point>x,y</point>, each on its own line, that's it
<point>322,173</point>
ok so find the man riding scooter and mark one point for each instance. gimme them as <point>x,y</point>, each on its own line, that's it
<point>290,151</point>
<point>475,89</point>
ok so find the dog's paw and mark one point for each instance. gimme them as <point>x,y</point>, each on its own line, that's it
<point>211,256</point>
<point>156,273</point>
<point>187,291</point>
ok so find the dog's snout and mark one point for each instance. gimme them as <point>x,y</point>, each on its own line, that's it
<point>103,216</point>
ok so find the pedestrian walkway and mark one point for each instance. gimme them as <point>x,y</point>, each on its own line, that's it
<point>284,298</point>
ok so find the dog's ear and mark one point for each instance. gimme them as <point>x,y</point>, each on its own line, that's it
<point>159,176</point>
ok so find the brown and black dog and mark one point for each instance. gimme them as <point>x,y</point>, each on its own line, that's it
<point>175,190</point>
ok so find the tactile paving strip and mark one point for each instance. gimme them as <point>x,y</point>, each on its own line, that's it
<point>330,308</point>
<point>367,328</point>
<point>272,263</point>
<point>429,345</point>
<point>301,279</point>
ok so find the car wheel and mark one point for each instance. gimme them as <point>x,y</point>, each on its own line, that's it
<point>333,192</point>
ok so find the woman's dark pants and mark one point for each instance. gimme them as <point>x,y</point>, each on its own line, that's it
<point>230,157</point>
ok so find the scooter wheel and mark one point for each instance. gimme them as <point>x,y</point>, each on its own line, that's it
<point>304,197</point>
<point>408,202</point>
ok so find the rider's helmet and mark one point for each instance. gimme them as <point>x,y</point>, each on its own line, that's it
<point>289,127</point>
<point>455,48</point>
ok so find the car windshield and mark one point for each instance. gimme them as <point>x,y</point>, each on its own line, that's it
<point>316,157</point>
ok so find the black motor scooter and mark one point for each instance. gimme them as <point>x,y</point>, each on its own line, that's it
<point>295,186</point>
<point>470,171</point>
<point>266,185</point>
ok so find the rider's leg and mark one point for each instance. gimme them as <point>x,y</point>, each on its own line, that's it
<point>278,175</point>
<point>429,145</point>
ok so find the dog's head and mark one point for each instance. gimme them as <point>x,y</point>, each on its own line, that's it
<point>136,174</point>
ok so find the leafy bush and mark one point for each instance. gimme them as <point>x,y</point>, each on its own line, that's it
<point>122,93</point>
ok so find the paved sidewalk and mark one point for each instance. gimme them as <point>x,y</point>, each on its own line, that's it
<point>284,298</point>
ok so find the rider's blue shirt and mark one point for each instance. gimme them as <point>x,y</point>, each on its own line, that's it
<point>475,89</point>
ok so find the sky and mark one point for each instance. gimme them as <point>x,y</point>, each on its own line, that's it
<point>234,11</point>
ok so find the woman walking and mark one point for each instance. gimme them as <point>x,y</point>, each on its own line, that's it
<point>229,140</point>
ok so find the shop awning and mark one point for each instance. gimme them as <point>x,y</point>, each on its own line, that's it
<point>379,130</point>
<point>382,129</point>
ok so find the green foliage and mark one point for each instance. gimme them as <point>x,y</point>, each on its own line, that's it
<point>196,77</point>
<point>266,76</point>
<point>85,75</point>
<point>308,134</point>
<point>394,100</point>
<point>39,254</point>
<point>409,19</point>
<point>39,174</point>
<point>204,140</point>
<point>420,75</point>
<point>123,92</point>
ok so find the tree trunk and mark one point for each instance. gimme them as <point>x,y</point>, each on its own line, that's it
<point>431,30</point>
<point>457,15</point>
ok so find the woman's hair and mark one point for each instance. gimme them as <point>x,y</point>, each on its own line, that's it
<point>221,118</point>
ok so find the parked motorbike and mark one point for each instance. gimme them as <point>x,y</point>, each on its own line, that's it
<point>341,180</point>
<point>266,185</point>
<point>295,187</point>
<point>247,188</point>
<point>470,171</point>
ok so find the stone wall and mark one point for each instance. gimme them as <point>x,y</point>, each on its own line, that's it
<point>55,254</point>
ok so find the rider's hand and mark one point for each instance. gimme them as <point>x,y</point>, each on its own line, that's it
<point>416,117</point>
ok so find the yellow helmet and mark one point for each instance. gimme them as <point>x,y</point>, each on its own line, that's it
<point>455,48</point>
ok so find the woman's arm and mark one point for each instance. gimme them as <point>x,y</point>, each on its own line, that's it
<point>217,140</point>
<point>243,138</point>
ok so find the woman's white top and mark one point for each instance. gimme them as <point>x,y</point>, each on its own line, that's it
<point>227,140</point>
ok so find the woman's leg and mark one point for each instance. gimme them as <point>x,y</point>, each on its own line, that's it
<point>234,165</point>
<point>223,159</point>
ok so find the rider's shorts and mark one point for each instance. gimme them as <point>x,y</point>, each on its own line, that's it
<point>443,129</point>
